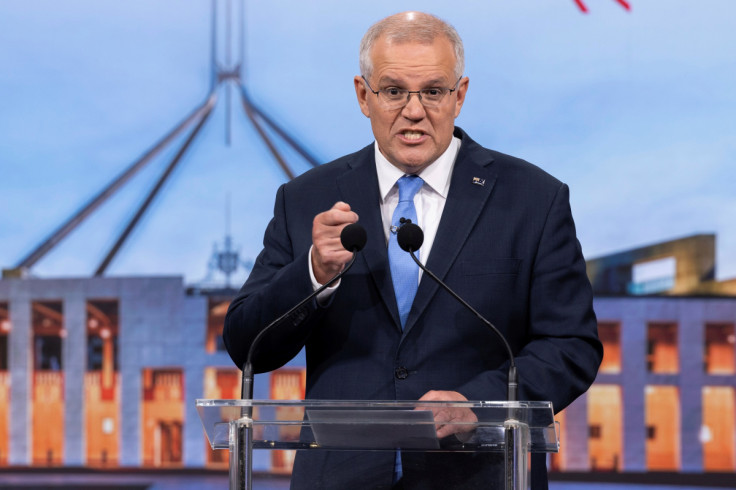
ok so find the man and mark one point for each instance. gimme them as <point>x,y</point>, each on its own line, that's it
<point>497,230</point>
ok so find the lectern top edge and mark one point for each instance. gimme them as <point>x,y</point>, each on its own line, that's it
<point>378,404</point>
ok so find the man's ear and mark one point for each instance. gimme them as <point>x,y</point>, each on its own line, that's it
<point>362,93</point>
<point>462,89</point>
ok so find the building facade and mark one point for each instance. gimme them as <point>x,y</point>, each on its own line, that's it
<point>104,372</point>
<point>665,395</point>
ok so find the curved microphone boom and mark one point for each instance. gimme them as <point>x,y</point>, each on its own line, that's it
<point>410,238</point>
<point>353,238</point>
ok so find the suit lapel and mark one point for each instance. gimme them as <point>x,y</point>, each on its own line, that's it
<point>473,179</point>
<point>359,188</point>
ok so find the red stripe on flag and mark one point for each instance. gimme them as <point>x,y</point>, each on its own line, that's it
<point>624,4</point>
<point>582,6</point>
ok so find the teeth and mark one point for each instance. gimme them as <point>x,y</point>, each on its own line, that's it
<point>412,135</point>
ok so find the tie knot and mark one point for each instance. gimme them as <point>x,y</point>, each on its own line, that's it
<point>408,186</point>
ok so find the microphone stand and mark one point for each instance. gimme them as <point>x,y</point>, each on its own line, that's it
<point>513,377</point>
<point>241,430</point>
<point>353,238</point>
<point>516,432</point>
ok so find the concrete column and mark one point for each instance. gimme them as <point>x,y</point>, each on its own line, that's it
<point>130,416</point>
<point>19,364</point>
<point>192,323</point>
<point>634,371</point>
<point>194,436</point>
<point>130,373</point>
<point>74,362</point>
<point>691,342</point>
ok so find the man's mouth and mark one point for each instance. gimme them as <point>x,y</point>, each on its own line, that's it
<point>412,135</point>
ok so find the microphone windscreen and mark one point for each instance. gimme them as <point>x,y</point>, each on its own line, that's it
<point>410,237</point>
<point>353,237</point>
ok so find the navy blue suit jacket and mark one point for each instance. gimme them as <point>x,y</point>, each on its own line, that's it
<point>506,243</point>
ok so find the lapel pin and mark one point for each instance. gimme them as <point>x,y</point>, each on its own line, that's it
<point>479,181</point>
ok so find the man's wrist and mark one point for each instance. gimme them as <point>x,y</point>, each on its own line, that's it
<point>323,297</point>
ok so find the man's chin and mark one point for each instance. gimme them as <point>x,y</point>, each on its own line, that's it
<point>412,168</point>
<point>412,164</point>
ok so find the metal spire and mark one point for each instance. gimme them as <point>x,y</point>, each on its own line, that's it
<point>223,74</point>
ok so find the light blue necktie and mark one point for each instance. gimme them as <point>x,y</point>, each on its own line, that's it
<point>404,272</point>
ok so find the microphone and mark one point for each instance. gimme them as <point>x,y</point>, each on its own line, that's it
<point>353,238</point>
<point>410,238</point>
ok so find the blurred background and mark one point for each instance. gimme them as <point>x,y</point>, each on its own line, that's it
<point>142,143</point>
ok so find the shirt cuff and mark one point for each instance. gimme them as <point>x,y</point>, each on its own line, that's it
<point>323,297</point>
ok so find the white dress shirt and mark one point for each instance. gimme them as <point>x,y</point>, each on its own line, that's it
<point>429,201</point>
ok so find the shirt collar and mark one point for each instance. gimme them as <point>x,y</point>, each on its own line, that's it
<point>436,175</point>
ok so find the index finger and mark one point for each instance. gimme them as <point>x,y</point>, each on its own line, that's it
<point>336,216</point>
<point>342,206</point>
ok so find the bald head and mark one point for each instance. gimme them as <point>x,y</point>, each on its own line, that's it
<point>410,27</point>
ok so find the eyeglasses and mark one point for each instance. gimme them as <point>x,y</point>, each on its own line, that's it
<point>396,98</point>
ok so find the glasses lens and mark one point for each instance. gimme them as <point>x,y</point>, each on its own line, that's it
<point>395,98</point>
<point>431,97</point>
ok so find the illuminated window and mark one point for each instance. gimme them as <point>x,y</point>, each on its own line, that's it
<point>47,323</point>
<point>605,415</point>
<point>48,331</point>
<point>287,384</point>
<point>102,391</point>
<point>719,349</point>
<point>102,335</point>
<point>653,276</point>
<point>662,355</point>
<point>163,417</point>
<point>719,428</point>
<point>662,419</point>
<point>610,335</point>
<point>220,383</point>
<point>216,310</point>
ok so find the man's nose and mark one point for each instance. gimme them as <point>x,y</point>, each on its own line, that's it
<point>414,109</point>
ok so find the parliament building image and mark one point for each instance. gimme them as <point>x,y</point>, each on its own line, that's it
<point>664,399</point>
<point>103,372</point>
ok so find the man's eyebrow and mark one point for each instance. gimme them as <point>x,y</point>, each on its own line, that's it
<point>436,82</point>
<point>389,81</point>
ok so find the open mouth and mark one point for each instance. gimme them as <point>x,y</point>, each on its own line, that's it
<point>412,135</point>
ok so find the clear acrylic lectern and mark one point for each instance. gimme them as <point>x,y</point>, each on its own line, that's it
<point>511,428</point>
